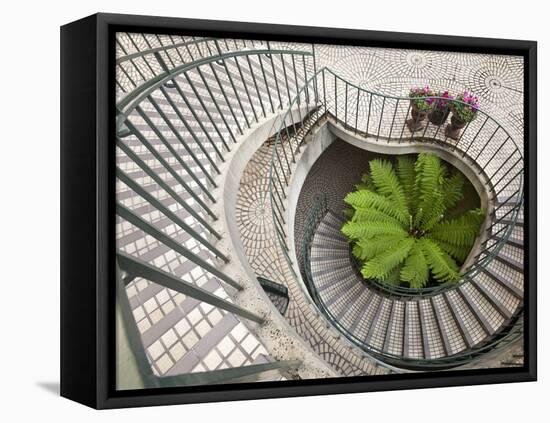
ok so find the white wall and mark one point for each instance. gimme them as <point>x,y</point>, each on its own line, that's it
<point>30,208</point>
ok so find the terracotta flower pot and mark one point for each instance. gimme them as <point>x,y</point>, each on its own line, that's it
<point>417,118</point>
<point>438,116</point>
<point>454,128</point>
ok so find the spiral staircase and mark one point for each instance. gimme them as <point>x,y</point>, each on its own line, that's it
<point>214,137</point>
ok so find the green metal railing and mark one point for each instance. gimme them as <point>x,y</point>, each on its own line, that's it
<point>481,141</point>
<point>174,129</point>
<point>128,268</point>
<point>381,118</point>
<point>190,100</point>
<point>136,66</point>
<point>509,333</point>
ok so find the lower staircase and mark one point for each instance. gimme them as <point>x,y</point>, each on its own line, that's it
<point>428,330</point>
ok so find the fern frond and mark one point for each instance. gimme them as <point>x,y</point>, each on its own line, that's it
<point>460,231</point>
<point>406,174</point>
<point>415,269</point>
<point>366,215</point>
<point>387,183</point>
<point>358,230</point>
<point>394,277</point>
<point>452,190</point>
<point>430,174</point>
<point>460,253</point>
<point>366,183</point>
<point>380,266</point>
<point>367,199</point>
<point>443,267</point>
<point>368,248</point>
<point>347,212</point>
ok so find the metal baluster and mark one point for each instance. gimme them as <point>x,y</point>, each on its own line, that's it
<point>279,180</point>
<point>265,80</point>
<point>160,236</point>
<point>190,129</point>
<point>508,183</point>
<point>315,90</point>
<point>281,165</point>
<point>201,102</point>
<point>138,189</point>
<point>246,89</point>
<point>475,137</point>
<point>167,55</point>
<point>226,67</point>
<point>177,50</point>
<point>368,115</point>
<point>298,96</point>
<point>381,117</point>
<point>221,114</point>
<point>496,152</point>
<point>405,123</point>
<point>286,79</point>
<point>162,183</point>
<point>214,72</point>
<point>180,137</point>
<point>393,119</point>
<point>346,107</point>
<point>128,75</point>
<point>163,139</point>
<point>306,81</point>
<point>357,110</point>
<point>486,144</point>
<point>324,91</point>
<point>256,85</point>
<point>192,110</point>
<point>335,97</point>
<point>503,164</point>
<point>138,70</point>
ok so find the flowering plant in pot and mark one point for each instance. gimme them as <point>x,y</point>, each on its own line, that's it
<point>420,106</point>
<point>464,111</point>
<point>440,107</point>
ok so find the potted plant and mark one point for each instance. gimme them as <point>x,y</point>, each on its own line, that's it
<point>464,110</point>
<point>420,106</point>
<point>440,107</point>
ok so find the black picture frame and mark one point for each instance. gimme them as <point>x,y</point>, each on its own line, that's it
<point>87,211</point>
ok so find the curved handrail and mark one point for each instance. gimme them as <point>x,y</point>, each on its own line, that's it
<point>144,69</point>
<point>489,253</point>
<point>126,105</point>
<point>509,333</point>
<point>142,53</point>
<point>279,176</point>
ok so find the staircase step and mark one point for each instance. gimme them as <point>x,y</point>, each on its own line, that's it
<point>481,308</point>
<point>346,300</point>
<point>493,299</point>
<point>359,311</point>
<point>393,342</point>
<point>516,242</point>
<point>431,336</point>
<point>377,332</point>
<point>471,330</point>
<point>329,232</point>
<point>509,286</point>
<point>366,319</point>
<point>413,345</point>
<point>452,334</point>
<point>515,264</point>
<point>518,222</point>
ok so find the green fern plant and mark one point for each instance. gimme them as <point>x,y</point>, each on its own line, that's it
<point>398,222</point>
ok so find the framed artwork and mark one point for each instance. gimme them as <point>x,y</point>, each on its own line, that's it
<point>257,211</point>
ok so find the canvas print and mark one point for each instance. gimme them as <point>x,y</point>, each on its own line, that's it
<point>290,211</point>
